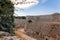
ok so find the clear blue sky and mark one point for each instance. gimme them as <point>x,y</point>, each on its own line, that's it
<point>48,7</point>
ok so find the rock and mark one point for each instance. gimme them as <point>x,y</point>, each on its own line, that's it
<point>4,33</point>
<point>7,36</point>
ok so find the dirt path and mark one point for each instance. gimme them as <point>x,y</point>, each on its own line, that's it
<point>23,36</point>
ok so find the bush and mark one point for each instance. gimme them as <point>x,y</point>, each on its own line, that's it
<point>6,16</point>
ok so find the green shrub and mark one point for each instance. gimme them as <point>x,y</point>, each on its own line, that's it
<point>6,16</point>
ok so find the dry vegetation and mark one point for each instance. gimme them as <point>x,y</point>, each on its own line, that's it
<point>45,27</point>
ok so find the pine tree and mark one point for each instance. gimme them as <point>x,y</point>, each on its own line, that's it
<point>6,16</point>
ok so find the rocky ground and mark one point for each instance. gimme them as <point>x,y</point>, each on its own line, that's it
<point>7,36</point>
<point>19,35</point>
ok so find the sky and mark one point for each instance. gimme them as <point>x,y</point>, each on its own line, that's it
<point>40,7</point>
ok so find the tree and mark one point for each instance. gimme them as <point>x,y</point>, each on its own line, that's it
<point>6,16</point>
